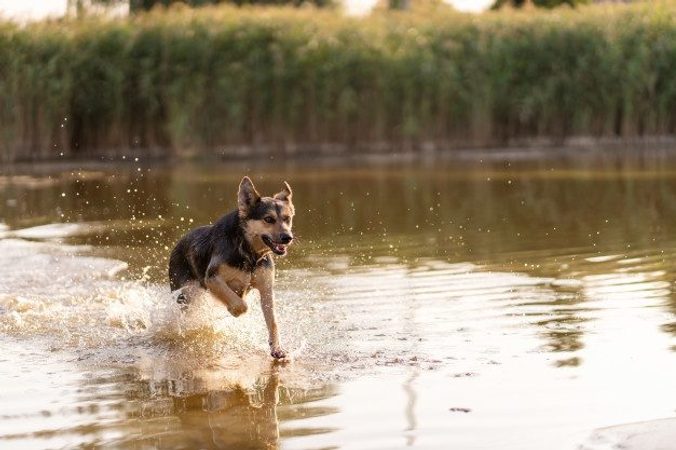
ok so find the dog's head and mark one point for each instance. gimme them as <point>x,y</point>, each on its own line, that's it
<point>266,221</point>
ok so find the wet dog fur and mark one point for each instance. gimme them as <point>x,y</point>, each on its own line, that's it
<point>234,255</point>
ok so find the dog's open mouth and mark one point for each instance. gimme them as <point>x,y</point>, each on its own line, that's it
<point>277,247</point>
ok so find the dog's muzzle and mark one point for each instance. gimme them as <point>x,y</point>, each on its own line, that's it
<point>278,247</point>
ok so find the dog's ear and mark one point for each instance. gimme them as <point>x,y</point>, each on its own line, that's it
<point>247,196</point>
<point>285,194</point>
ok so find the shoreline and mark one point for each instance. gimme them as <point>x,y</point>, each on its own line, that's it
<point>582,150</point>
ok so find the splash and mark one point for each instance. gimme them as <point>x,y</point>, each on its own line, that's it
<point>79,303</point>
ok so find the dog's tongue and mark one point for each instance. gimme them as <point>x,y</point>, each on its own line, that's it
<point>280,248</point>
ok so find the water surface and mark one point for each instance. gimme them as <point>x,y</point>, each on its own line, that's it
<point>495,303</point>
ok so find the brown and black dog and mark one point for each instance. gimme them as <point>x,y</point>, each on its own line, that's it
<point>234,255</point>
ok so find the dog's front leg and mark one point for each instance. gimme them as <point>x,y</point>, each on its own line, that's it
<point>268,305</point>
<point>220,289</point>
<point>264,280</point>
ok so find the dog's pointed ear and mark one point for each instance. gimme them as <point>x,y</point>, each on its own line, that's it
<point>247,196</point>
<point>285,194</point>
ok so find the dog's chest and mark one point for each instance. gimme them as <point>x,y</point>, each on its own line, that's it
<point>238,281</point>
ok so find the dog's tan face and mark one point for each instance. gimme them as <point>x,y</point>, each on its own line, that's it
<point>266,220</point>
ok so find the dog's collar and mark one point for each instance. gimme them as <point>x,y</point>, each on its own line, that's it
<point>261,255</point>
<point>261,250</point>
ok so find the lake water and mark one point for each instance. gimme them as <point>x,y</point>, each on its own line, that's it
<point>480,304</point>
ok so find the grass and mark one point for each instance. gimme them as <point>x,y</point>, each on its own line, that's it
<point>277,80</point>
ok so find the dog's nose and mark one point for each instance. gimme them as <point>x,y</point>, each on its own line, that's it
<point>285,238</point>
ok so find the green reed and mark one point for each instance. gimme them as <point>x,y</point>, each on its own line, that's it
<point>223,79</point>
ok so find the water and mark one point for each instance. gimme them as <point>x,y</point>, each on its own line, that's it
<point>488,303</point>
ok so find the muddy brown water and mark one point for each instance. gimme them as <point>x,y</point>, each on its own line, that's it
<point>493,304</point>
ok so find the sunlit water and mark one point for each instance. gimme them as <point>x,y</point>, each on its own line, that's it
<point>440,305</point>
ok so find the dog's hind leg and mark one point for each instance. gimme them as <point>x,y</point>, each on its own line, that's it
<point>180,270</point>
<point>181,278</point>
<point>186,294</point>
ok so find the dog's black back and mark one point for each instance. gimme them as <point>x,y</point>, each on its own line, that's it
<point>224,241</point>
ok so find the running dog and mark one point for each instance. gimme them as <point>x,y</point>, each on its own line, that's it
<point>234,255</point>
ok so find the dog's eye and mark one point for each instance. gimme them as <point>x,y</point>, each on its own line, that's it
<point>269,219</point>
<point>286,219</point>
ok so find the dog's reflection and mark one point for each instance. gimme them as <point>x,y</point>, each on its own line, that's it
<point>237,418</point>
<point>204,412</point>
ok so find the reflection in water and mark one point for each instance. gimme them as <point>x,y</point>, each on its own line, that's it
<point>409,409</point>
<point>193,405</point>
<point>540,301</point>
<point>187,413</point>
<point>215,418</point>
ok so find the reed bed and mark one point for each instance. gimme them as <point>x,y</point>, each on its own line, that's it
<point>225,80</point>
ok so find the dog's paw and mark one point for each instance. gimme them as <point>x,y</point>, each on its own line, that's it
<point>278,353</point>
<point>237,309</point>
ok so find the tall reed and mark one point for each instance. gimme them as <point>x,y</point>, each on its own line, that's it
<point>277,80</point>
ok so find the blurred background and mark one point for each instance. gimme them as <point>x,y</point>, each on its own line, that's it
<point>96,79</point>
<point>486,210</point>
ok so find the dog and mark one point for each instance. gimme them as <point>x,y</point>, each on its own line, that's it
<point>234,255</point>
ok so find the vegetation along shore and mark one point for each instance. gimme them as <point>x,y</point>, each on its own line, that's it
<point>224,80</point>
